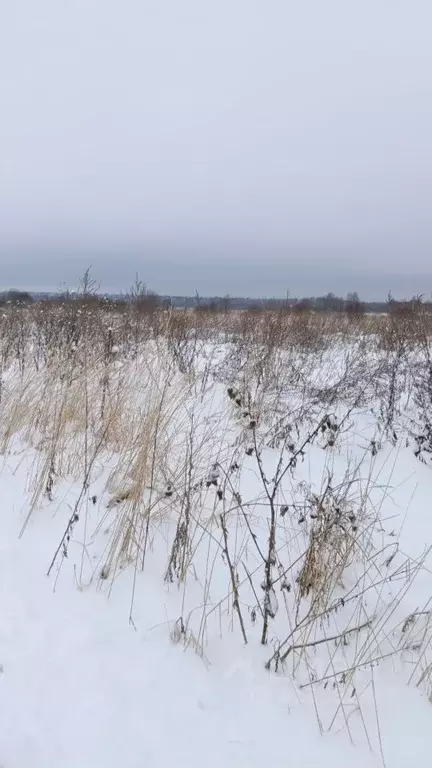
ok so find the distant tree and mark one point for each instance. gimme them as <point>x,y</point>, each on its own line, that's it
<point>256,307</point>
<point>16,297</point>
<point>144,300</point>
<point>352,298</point>
<point>353,306</point>
<point>210,306</point>
<point>334,303</point>
<point>303,305</point>
<point>328,303</point>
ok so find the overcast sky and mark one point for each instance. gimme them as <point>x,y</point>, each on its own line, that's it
<point>228,146</point>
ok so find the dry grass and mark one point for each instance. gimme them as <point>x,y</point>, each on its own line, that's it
<point>201,426</point>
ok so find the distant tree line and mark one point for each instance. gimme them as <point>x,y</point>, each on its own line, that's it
<point>146,301</point>
<point>350,305</point>
<point>15,297</point>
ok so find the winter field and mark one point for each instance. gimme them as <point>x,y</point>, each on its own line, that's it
<point>215,538</point>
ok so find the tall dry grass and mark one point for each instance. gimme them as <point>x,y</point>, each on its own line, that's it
<point>200,426</point>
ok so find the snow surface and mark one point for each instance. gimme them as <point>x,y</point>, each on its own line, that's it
<point>81,687</point>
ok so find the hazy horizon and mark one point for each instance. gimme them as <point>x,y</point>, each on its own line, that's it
<point>193,277</point>
<point>230,148</point>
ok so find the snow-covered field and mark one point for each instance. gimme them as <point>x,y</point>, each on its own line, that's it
<point>214,544</point>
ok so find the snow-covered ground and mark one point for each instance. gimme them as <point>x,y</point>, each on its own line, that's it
<point>132,654</point>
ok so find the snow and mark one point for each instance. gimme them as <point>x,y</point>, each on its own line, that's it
<point>82,685</point>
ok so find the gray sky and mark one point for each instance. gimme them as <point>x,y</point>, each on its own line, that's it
<point>229,146</point>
